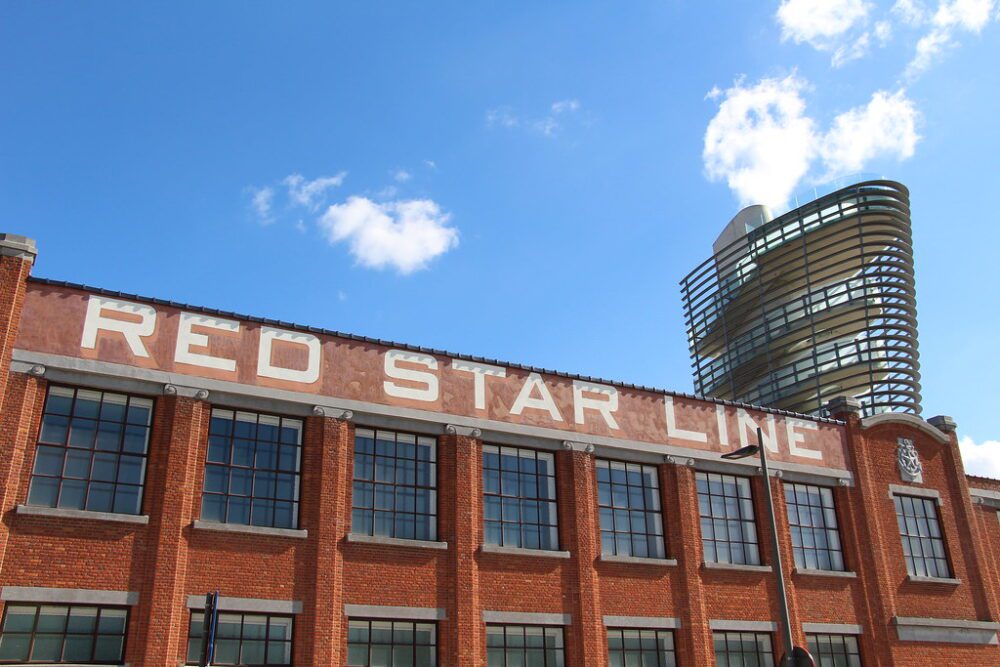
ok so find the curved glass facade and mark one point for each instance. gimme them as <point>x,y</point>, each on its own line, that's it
<point>814,304</point>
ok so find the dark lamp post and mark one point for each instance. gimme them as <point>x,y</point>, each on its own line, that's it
<point>794,656</point>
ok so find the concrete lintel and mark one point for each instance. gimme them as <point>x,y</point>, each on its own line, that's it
<point>185,392</point>
<point>518,551</point>
<point>832,628</point>
<point>736,567</point>
<point>69,596</point>
<point>396,541</point>
<point>638,560</point>
<point>63,513</point>
<point>15,245</point>
<point>985,497</point>
<point>395,613</point>
<point>946,630</point>
<point>647,622</point>
<point>249,530</point>
<point>742,626</point>
<point>526,618</point>
<point>843,574</point>
<point>919,491</point>
<point>843,405</point>
<point>333,413</point>
<point>250,605</point>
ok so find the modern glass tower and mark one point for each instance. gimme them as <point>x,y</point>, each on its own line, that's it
<point>819,302</point>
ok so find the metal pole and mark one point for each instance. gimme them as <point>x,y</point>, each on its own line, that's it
<point>786,623</point>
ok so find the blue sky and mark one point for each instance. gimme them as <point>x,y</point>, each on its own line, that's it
<point>526,181</point>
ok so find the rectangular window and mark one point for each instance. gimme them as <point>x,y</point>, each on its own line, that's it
<point>923,544</point>
<point>91,451</point>
<point>813,522</point>
<point>519,498</point>
<point>53,634</point>
<point>728,531</point>
<point>396,643</point>
<point>834,650</point>
<point>252,469</point>
<point>742,648</point>
<point>395,477</point>
<point>522,645</point>
<point>648,648</point>
<point>244,639</point>
<point>628,498</point>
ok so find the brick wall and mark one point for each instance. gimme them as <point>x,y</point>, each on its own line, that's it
<point>167,559</point>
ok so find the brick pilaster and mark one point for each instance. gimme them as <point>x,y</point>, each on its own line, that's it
<point>326,514</point>
<point>694,640</point>
<point>180,425</point>
<point>586,643</point>
<point>464,525</point>
<point>17,254</point>
<point>18,423</point>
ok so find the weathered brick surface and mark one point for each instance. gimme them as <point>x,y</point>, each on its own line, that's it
<point>168,560</point>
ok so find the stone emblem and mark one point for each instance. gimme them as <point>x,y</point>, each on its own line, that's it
<point>910,468</point>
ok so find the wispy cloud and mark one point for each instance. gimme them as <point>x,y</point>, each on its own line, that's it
<point>404,235</point>
<point>261,200</point>
<point>847,29</point>
<point>548,125</point>
<point>401,175</point>
<point>981,458</point>
<point>951,18</point>
<point>763,143</point>
<point>310,194</point>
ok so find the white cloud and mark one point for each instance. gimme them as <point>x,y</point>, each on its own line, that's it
<point>855,50</point>
<point>982,458</point>
<point>310,194</point>
<point>431,164</point>
<point>261,200</point>
<point>820,23</point>
<point>405,235</point>
<point>911,12</point>
<point>951,17</point>
<point>885,127</point>
<point>763,143</point>
<point>401,175</point>
<point>760,141</point>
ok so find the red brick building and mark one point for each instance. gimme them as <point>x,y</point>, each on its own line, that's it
<point>360,502</point>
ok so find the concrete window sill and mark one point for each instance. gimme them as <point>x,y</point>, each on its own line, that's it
<point>843,574</point>
<point>249,530</point>
<point>948,581</point>
<point>736,567</point>
<point>637,560</point>
<point>61,513</point>
<point>395,541</point>
<point>518,551</point>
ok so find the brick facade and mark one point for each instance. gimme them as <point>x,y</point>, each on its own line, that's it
<point>166,558</point>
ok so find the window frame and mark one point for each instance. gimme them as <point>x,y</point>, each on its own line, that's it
<point>197,636</point>
<point>656,540</point>
<point>830,533</point>
<point>933,518</point>
<point>94,450</point>
<point>815,648</point>
<point>706,478</point>
<point>271,502</point>
<point>762,657</point>
<point>358,483</point>
<point>433,646</point>
<point>670,661</point>
<point>33,633</point>
<point>560,648</point>
<point>521,500</point>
